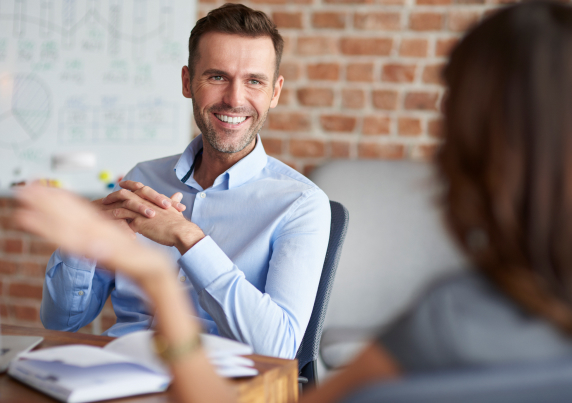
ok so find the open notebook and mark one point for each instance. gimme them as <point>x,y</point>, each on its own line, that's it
<point>126,366</point>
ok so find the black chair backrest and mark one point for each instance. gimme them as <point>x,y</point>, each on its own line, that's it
<point>309,348</point>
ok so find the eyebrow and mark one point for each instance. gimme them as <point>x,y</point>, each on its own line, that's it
<point>216,72</point>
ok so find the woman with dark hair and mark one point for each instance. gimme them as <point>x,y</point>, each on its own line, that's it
<point>506,166</point>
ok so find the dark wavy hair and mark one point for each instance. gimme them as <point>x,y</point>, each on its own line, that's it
<point>235,19</point>
<point>507,156</point>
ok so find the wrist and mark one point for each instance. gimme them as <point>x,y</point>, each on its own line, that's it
<point>188,237</point>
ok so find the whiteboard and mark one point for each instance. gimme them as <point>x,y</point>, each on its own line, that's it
<point>95,79</point>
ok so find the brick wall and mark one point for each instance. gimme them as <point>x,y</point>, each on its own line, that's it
<point>362,76</point>
<point>362,81</point>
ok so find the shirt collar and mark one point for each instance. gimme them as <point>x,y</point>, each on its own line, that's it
<point>235,176</point>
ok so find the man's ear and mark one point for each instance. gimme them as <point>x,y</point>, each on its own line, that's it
<point>186,81</point>
<point>277,89</point>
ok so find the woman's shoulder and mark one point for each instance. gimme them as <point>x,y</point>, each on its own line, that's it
<point>464,320</point>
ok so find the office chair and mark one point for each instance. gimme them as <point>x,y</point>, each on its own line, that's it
<point>309,348</point>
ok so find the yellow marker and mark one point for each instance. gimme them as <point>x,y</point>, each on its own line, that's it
<point>105,176</point>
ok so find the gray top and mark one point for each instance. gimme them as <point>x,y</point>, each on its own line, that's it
<point>465,321</point>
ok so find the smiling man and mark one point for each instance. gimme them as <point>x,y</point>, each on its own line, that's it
<point>247,233</point>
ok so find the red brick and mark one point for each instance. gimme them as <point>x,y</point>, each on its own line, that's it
<point>288,121</point>
<point>425,151</point>
<point>398,73</point>
<point>315,96</point>
<point>324,71</point>
<point>353,99</point>
<point>287,20</point>
<point>460,21</point>
<point>285,96</point>
<point>408,127</point>
<point>432,73</point>
<point>414,47</point>
<point>338,123</point>
<point>349,1</point>
<point>378,21</point>
<point>7,267</point>
<point>288,45</point>
<point>426,101</point>
<point>290,70</point>
<point>307,148</point>
<point>340,149</point>
<point>435,128</point>
<point>317,45</point>
<point>282,1</point>
<point>373,125</point>
<point>22,290</point>
<point>32,269</point>
<point>366,46</point>
<point>360,72</point>
<point>472,2</point>
<point>272,146</point>
<point>329,20</point>
<point>12,245</point>
<point>384,99</point>
<point>4,310</point>
<point>433,2</point>
<point>444,46</point>
<point>426,21</point>
<point>23,312</point>
<point>380,151</point>
<point>42,248</point>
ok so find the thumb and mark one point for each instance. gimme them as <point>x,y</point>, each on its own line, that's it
<point>177,197</point>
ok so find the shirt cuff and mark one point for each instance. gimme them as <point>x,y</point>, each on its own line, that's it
<point>204,263</point>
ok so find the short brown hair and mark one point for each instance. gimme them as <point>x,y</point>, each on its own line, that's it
<point>235,19</point>
<point>507,155</point>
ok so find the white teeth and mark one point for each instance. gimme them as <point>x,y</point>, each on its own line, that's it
<point>233,120</point>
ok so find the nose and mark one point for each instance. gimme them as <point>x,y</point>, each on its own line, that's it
<point>234,94</point>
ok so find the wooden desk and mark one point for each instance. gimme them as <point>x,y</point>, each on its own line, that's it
<point>277,381</point>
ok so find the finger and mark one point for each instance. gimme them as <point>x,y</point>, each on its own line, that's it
<point>151,195</point>
<point>138,208</point>
<point>119,195</point>
<point>175,199</point>
<point>124,214</point>
<point>131,185</point>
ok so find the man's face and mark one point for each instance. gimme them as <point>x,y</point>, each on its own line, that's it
<point>232,88</point>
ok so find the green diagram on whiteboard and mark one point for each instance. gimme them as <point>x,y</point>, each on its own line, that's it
<point>97,76</point>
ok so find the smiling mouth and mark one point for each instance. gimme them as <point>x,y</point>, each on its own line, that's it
<point>233,120</point>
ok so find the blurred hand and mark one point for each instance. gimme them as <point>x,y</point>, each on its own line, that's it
<point>75,225</point>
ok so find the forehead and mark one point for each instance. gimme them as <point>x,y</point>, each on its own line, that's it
<point>236,54</point>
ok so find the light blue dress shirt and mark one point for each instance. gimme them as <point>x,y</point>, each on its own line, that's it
<point>254,276</point>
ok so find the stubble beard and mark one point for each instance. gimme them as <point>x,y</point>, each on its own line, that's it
<point>216,138</point>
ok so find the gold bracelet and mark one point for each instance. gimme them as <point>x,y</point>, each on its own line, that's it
<point>170,353</point>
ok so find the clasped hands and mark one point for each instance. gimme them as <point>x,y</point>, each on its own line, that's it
<point>137,208</point>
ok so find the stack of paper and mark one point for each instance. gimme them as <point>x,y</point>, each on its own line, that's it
<point>126,366</point>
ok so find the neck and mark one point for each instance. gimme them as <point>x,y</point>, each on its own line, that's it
<point>212,163</point>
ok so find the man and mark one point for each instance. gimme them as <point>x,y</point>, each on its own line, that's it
<point>248,233</point>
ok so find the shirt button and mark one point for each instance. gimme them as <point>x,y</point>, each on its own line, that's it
<point>182,279</point>
<point>203,195</point>
<point>80,293</point>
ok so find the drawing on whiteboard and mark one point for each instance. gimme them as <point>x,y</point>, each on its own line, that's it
<point>98,25</point>
<point>25,109</point>
<point>97,76</point>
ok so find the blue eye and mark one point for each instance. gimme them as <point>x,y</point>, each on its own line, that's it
<point>254,82</point>
<point>217,78</point>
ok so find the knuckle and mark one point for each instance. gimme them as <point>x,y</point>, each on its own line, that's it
<point>124,193</point>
